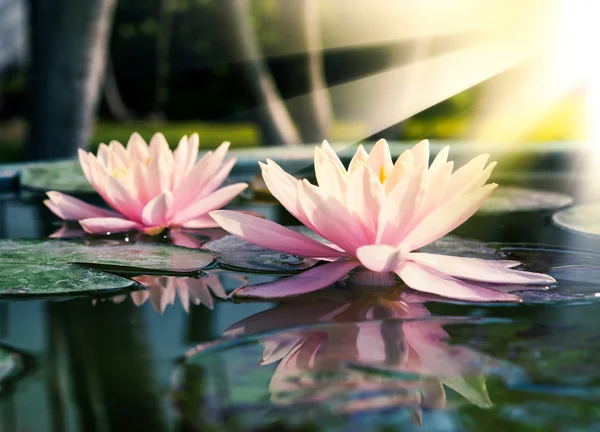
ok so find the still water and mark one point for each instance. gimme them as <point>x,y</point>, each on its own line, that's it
<point>179,356</point>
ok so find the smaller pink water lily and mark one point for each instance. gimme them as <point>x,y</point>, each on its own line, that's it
<point>150,187</point>
<point>378,214</point>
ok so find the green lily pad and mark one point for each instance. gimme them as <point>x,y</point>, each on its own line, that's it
<point>51,266</point>
<point>582,219</point>
<point>64,176</point>
<point>513,199</point>
<point>231,252</point>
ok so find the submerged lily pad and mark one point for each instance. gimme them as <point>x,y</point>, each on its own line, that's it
<point>513,199</point>
<point>582,219</point>
<point>52,267</point>
<point>231,252</point>
<point>64,176</point>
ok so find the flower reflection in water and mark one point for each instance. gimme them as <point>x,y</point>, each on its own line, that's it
<point>162,290</point>
<point>349,352</point>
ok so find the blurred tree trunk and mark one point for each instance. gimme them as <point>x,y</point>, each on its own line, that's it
<point>313,110</point>
<point>117,108</point>
<point>163,49</point>
<point>68,45</point>
<point>276,124</point>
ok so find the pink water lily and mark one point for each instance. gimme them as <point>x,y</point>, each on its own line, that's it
<point>150,187</point>
<point>377,214</point>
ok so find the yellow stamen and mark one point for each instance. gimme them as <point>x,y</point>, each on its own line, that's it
<point>382,175</point>
<point>118,172</point>
<point>154,231</point>
<point>148,160</point>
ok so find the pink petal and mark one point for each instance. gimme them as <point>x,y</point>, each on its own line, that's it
<point>270,235</point>
<point>214,201</point>
<point>157,211</point>
<point>477,269</point>
<point>440,160</point>
<point>188,188</point>
<point>447,217</point>
<point>137,148</point>
<point>403,168</point>
<point>218,178</point>
<point>359,157</point>
<point>108,225</point>
<point>420,154</point>
<point>193,147</point>
<point>332,155</point>
<point>211,170</point>
<point>159,149</point>
<point>380,157</point>
<point>429,280</point>
<point>121,199</point>
<point>438,181</point>
<point>69,208</point>
<point>465,174</point>
<point>180,162</point>
<point>401,205</point>
<point>314,279</point>
<point>365,197</point>
<point>381,257</point>
<point>282,186</point>
<point>330,218</point>
<point>329,176</point>
<point>158,177</point>
<point>139,176</point>
<point>204,221</point>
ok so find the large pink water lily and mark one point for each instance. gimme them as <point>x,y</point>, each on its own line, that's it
<point>378,214</point>
<point>150,187</point>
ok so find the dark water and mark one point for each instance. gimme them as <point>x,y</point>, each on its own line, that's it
<point>342,359</point>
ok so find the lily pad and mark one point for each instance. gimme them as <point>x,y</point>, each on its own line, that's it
<point>64,176</point>
<point>20,279</point>
<point>513,199</point>
<point>51,267</point>
<point>582,219</point>
<point>231,252</point>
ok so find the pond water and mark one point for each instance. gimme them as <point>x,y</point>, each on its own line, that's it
<point>170,352</point>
